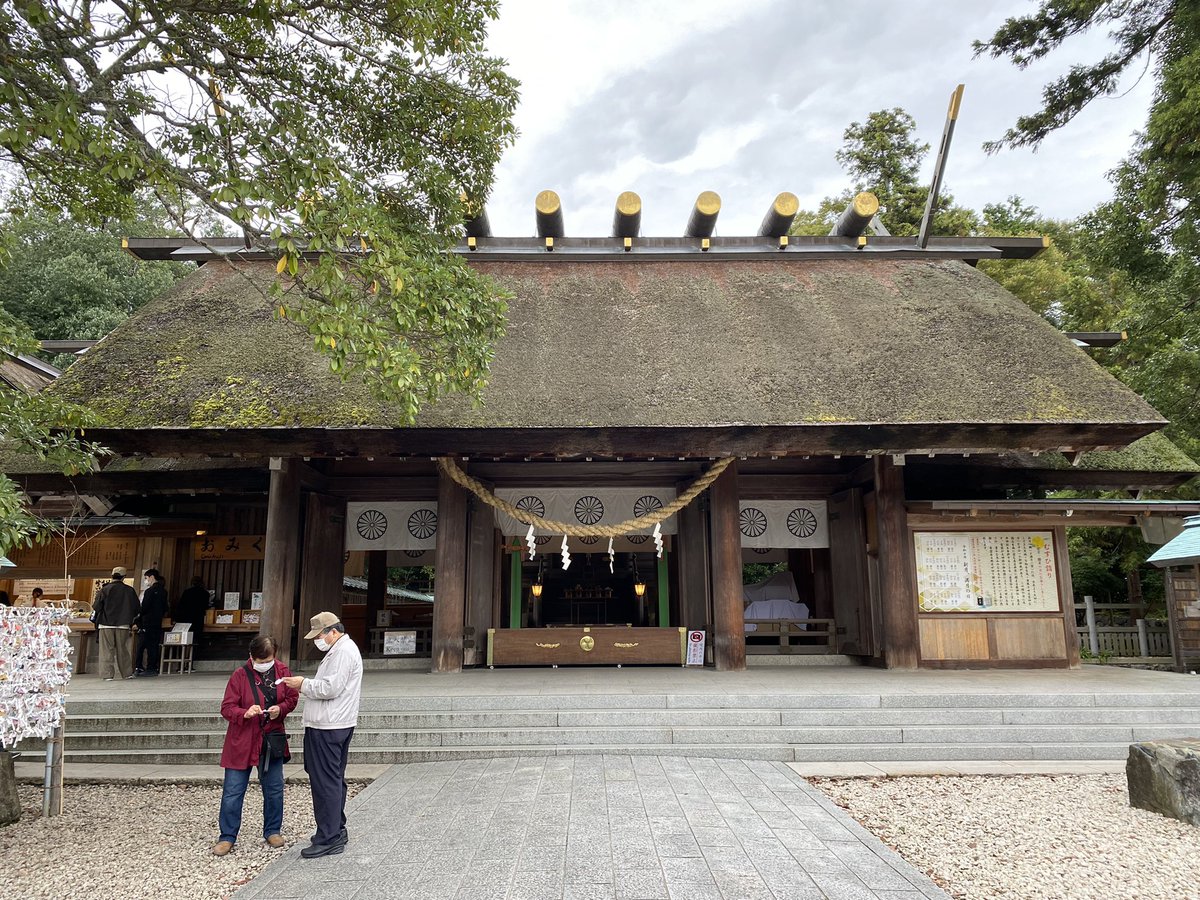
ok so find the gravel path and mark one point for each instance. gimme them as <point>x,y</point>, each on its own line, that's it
<point>1073,837</point>
<point>139,841</point>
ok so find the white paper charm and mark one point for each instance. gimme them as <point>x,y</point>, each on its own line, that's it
<point>612,556</point>
<point>566,554</point>
<point>658,541</point>
<point>531,542</point>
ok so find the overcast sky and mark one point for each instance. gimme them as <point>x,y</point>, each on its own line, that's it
<point>751,98</point>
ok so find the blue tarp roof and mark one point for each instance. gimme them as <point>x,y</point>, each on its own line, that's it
<point>1182,550</point>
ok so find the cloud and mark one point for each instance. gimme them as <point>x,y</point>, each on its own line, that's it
<point>749,102</point>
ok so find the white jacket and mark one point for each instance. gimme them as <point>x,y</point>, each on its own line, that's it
<point>331,696</point>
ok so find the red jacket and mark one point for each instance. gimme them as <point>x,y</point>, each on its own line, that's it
<point>243,737</point>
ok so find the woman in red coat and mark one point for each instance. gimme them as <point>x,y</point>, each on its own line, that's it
<point>254,706</point>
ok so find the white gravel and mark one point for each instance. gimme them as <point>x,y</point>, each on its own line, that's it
<point>139,841</point>
<point>1028,837</point>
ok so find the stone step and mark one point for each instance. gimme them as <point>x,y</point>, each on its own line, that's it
<point>173,721</point>
<point>681,701</point>
<point>807,753</point>
<point>940,736</point>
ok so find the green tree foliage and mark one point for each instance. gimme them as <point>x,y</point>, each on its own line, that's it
<point>64,280</point>
<point>883,156</point>
<point>1161,180</point>
<point>336,136</point>
<point>36,427</point>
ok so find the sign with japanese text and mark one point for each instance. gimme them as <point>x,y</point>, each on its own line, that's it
<point>986,571</point>
<point>229,546</point>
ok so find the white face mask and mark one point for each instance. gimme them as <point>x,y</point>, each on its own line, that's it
<point>146,582</point>
<point>322,644</point>
<point>264,667</point>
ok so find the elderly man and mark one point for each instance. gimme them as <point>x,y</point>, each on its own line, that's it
<point>330,715</point>
<point>114,612</point>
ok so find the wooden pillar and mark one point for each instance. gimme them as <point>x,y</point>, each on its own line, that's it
<point>449,586</point>
<point>901,640</point>
<point>729,635</point>
<point>282,553</point>
<point>691,558</point>
<point>1066,593</point>
<point>481,560</point>
<point>321,564</point>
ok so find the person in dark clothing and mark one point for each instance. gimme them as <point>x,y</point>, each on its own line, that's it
<point>115,612</point>
<point>192,605</point>
<point>149,623</point>
<point>4,601</point>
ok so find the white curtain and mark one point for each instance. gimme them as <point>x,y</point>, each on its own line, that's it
<point>784,523</point>
<point>586,506</point>
<point>391,526</point>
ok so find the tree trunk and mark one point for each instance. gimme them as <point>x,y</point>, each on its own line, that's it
<point>10,801</point>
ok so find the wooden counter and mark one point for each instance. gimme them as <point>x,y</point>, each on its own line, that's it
<point>587,646</point>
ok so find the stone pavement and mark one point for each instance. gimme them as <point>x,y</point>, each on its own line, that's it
<point>577,828</point>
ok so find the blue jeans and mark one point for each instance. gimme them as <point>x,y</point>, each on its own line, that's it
<point>234,790</point>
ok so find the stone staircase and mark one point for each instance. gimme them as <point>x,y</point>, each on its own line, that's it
<point>803,727</point>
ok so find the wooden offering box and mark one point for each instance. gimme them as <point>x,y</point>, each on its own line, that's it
<point>597,645</point>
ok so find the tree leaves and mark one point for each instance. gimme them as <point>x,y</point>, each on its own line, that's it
<point>313,127</point>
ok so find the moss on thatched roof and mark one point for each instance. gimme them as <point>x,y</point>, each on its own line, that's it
<point>634,343</point>
<point>1153,453</point>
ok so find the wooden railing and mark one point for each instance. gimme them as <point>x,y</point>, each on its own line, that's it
<point>1124,641</point>
<point>814,636</point>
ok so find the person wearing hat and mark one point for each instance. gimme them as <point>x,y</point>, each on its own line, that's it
<point>330,715</point>
<point>115,610</point>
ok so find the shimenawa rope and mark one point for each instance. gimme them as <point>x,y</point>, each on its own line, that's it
<point>574,529</point>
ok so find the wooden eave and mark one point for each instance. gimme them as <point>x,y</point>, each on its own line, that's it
<point>1045,512</point>
<point>850,439</point>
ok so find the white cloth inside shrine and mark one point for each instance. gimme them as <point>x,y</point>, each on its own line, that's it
<point>775,598</point>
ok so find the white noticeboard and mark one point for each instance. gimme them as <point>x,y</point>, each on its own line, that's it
<point>695,648</point>
<point>986,571</point>
<point>399,643</point>
<point>233,599</point>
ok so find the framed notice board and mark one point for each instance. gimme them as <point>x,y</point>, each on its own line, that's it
<point>986,571</point>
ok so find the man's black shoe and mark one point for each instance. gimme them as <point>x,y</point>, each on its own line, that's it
<point>314,850</point>
<point>149,673</point>
<point>342,838</point>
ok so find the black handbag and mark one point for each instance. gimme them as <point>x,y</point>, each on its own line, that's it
<point>274,745</point>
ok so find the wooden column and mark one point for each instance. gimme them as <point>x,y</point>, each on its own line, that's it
<point>900,639</point>
<point>321,564</point>
<point>450,580</point>
<point>692,560</point>
<point>1066,594</point>
<point>282,553</point>
<point>729,636</point>
<point>481,559</point>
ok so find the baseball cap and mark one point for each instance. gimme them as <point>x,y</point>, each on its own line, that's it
<point>320,622</point>
<point>119,570</point>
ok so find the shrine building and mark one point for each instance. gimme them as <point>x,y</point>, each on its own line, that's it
<point>866,421</point>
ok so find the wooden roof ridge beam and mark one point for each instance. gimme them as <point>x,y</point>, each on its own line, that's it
<point>703,220</point>
<point>779,217</point>
<point>548,210</point>
<point>1098,338</point>
<point>627,217</point>
<point>857,216</point>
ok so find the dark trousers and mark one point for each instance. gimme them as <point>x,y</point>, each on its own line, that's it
<point>150,644</point>
<point>325,756</point>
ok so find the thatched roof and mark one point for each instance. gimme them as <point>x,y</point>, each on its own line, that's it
<point>25,373</point>
<point>636,343</point>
